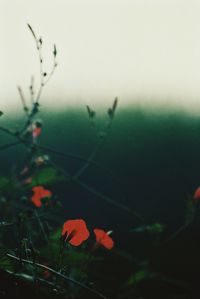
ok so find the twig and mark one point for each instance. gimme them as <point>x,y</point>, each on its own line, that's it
<point>41,226</point>
<point>85,186</point>
<point>88,162</point>
<point>56,152</point>
<point>32,91</point>
<point>77,157</point>
<point>177,232</point>
<point>8,131</point>
<point>108,199</point>
<point>25,107</point>
<point>58,274</point>
<point>8,145</point>
<point>94,153</point>
<point>3,223</point>
<point>43,82</point>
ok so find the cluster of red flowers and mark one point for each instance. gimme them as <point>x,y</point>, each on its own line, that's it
<point>76,232</point>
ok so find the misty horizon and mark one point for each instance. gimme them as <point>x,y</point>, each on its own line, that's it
<point>146,54</point>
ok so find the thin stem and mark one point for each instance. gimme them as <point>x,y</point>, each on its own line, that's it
<point>41,226</point>
<point>59,153</point>
<point>177,232</point>
<point>8,131</point>
<point>77,157</point>
<point>87,162</point>
<point>99,194</point>
<point>85,186</point>
<point>32,91</point>
<point>94,153</point>
<point>51,73</point>
<point>58,274</point>
<point>22,97</point>
<point>108,199</point>
<point>8,145</point>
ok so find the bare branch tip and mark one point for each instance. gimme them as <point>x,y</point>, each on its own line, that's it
<point>31,29</point>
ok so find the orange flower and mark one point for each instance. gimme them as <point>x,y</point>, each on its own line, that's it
<point>103,238</point>
<point>75,232</point>
<point>39,194</point>
<point>196,196</point>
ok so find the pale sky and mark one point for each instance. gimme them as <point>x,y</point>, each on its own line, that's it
<point>138,50</point>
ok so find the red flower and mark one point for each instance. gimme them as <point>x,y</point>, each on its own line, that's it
<point>196,196</point>
<point>39,194</point>
<point>75,231</point>
<point>103,238</point>
<point>36,132</point>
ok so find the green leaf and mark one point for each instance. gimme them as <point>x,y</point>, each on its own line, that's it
<point>4,181</point>
<point>138,277</point>
<point>47,175</point>
<point>73,256</point>
<point>6,185</point>
<point>155,228</point>
<point>56,235</point>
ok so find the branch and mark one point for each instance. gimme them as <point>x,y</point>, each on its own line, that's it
<point>58,274</point>
<point>108,199</point>
<point>8,145</point>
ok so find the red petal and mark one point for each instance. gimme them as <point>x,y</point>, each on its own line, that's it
<point>196,195</point>
<point>36,132</point>
<point>39,193</point>
<point>103,238</point>
<point>78,231</point>
<point>46,193</point>
<point>36,201</point>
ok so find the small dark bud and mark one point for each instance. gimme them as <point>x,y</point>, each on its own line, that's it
<point>38,124</point>
<point>40,41</point>
<point>44,74</point>
<point>110,112</point>
<point>54,50</point>
<point>91,112</point>
<point>115,104</point>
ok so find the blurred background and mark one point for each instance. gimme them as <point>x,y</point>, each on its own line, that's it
<point>144,52</point>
